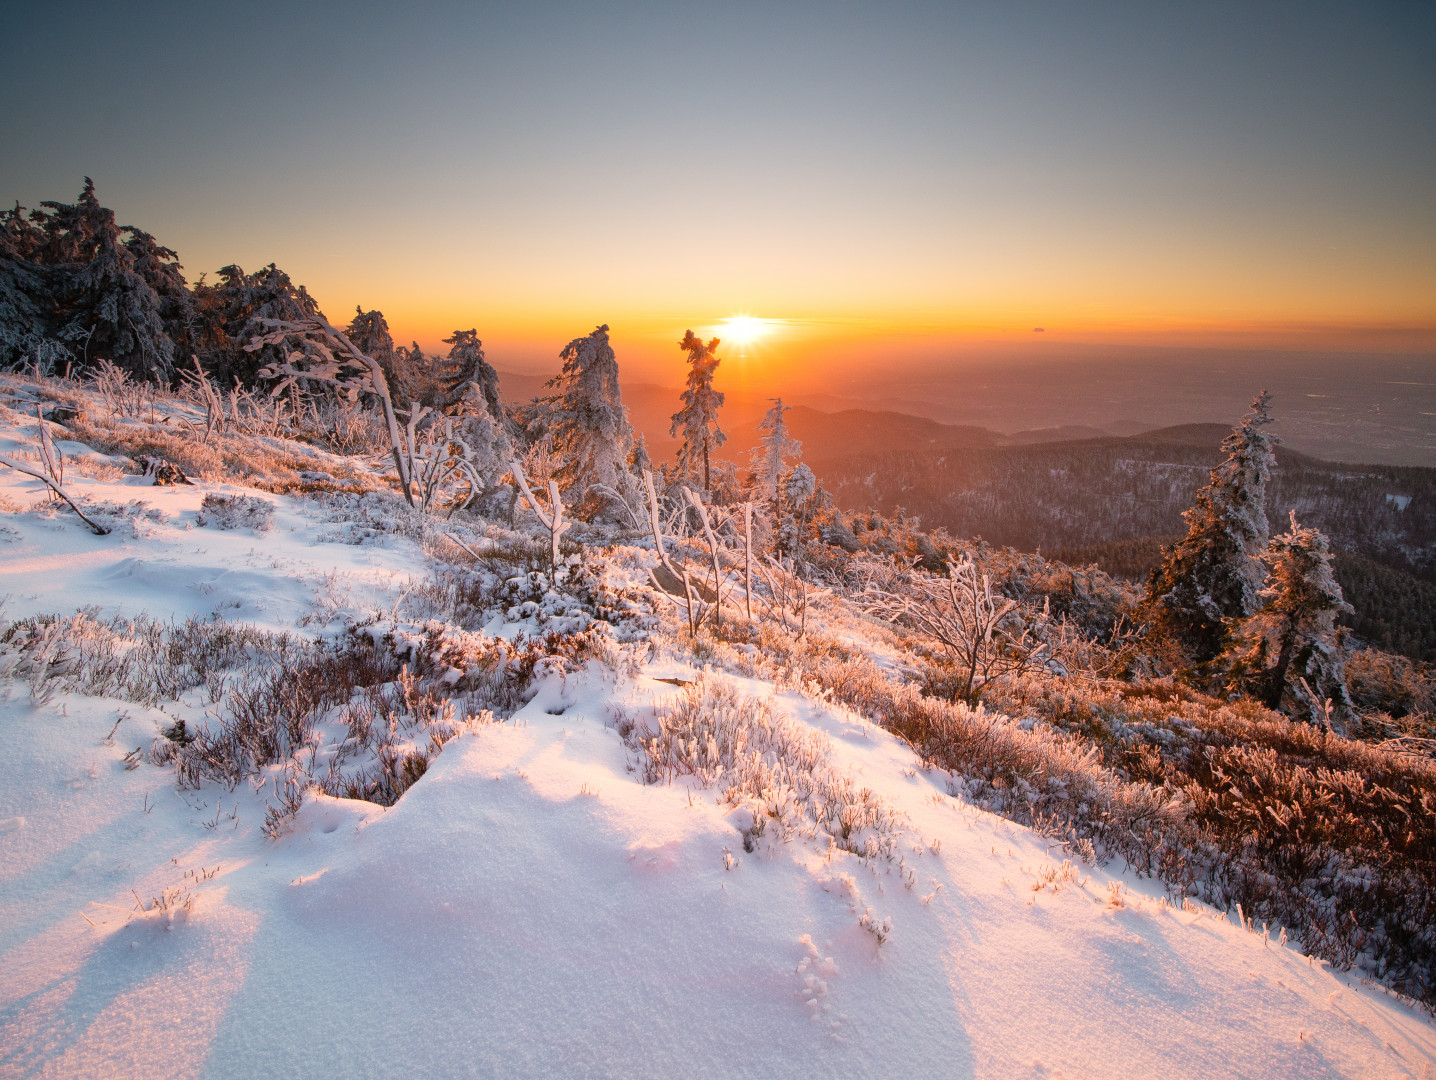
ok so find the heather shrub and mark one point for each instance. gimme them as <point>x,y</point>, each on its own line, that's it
<point>274,464</point>
<point>777,771</point>
<point>1395,685</point>
<point>236,512</point>
<point>1331,837</point>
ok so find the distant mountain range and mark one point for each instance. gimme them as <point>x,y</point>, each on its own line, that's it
<point>828,425</point>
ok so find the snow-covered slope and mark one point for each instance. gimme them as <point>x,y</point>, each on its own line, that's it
<point>531,907</point>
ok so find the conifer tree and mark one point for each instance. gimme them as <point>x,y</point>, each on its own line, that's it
<point>26,306</point>
<point>160,268</point>
<point>469,389</point>
<point>800,493</point>
<point>1291,649</point>
<point>1213,575</point>
<point>369,331</point>
<point>468,376</point>
<point>698,419</point>
<point>639,460</point>
<point>770,456</point>
<point>232,310</point>
<point>585,418</point>
<point>104,304</point>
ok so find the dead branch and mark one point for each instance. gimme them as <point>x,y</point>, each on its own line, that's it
<point>552,519</point>
<point>99,530</point>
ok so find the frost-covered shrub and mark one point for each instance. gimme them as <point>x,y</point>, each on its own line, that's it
<point>368,517</point>
<point>349,718</point>
<point>141,660</point>
<point>347,427</point>
<point>1395,685</point>
<point>506,583</point>
<point>774,772</point>
<point>228,457</point>
<point>127,518</point>
<point>236,512</point>
<point>498,671</point>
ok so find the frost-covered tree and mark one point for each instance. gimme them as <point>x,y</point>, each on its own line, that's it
<point>1291,648</point>
<point>233,310</point>
<point>104,305</point>
<point>369,331</point>
<point>161,270</point>
<point>800,494</point>
<point>1213,575</point>
<point>801,484</point>
<point>697,421</point>
<point>770,457</point>
<point>586,422</point>
<point>469,391</point>
<point>639,461</point>
<point>467,376</point>
<point>26,305</point>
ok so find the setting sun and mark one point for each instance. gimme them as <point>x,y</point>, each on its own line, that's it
<point>745,329</point>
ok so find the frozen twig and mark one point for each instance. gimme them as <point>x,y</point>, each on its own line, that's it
<point>99,530</point>
<point>703,519</point>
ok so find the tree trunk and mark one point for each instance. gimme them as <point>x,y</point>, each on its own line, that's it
<point>1283,661</point>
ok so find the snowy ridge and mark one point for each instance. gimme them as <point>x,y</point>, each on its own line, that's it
<point>531,906</point>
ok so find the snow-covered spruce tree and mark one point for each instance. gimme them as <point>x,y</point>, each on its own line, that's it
<point>104,304</point>
<point>467,377</point>
<point>160,268</point>
<point>1291,648</point>
<point>1213,574</point>
<point>639,460</point>
<point>588,426</point>
<point>369,331</point>
<point>800,492</point>
<point>469,392</point>
<point>233,310</point>
<point>697,421</point>
<point>769,457</point>
<point>27,308</point>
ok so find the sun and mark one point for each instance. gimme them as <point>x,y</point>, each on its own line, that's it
<point>744,330</point>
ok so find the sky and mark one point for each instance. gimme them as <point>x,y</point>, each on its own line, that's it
<point>906,181</point>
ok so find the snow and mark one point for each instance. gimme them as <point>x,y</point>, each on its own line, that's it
<point>531,908</point>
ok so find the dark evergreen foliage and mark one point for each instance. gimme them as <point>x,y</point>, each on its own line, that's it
<point>369,331</point>
<point>1211,577</point>
<point>74,283</point>
<point>1394,610</point>
<point>229,312</point>
<point>26,308</point>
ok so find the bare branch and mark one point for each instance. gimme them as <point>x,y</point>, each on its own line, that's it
<point>99,530</point>
<point>960,613</point>
<point>552,520</point>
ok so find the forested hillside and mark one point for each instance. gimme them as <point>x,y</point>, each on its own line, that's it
<point>1114,501</point>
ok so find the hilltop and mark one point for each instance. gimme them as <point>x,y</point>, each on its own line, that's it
<point>299,779</point>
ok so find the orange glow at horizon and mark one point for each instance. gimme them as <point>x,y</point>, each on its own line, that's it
<point>799,347</point>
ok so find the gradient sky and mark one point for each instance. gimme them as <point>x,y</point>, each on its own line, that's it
<point>920,175</point>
